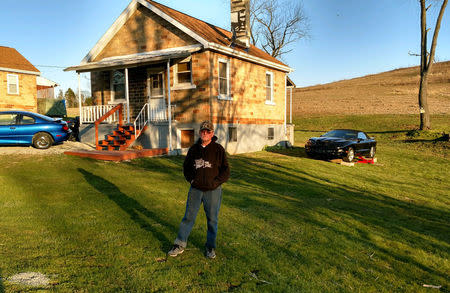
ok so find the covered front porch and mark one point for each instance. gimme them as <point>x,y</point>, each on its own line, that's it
<point>139,82</point>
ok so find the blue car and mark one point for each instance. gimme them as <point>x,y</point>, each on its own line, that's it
<point>27,128</point>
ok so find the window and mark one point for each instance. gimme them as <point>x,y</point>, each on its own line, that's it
<point>184,72</point>
<point>187,138</point>
<point>232,134</point>
<point>270,133</point>
<point>27,120</point>
<point>361,135</point>
<point>13,84</point>
<point>224,79</point>
<point>8,119</point>
<point>118,84</point>
<point>269,88</point>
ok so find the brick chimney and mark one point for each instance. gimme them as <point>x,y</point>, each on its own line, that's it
<point>240,22</point>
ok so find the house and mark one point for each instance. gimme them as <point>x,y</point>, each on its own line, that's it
<point>17,81</point>
<point>45,88</point>
<point>171,71</point>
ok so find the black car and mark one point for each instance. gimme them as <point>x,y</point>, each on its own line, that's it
<point>342,143</point>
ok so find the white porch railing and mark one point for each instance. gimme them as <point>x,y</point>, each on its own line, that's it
<point>150,114</point>
<point>90,114</point>
<point>141,121</point>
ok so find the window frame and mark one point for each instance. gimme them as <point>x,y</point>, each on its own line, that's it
<point>227,96</point>
<point>113,91</point>
<point>8,82</point>
<point>183,85</point>
<point>268,134</point>
<point>27,116</point>
<point>271,101</point>
<point>230,136</point>
<point>15,119</point>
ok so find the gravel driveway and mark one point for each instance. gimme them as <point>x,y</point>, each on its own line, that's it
<point>56,149</point>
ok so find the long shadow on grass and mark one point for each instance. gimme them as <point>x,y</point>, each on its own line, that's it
<point>131,206</point>
<point>295,194</point>
<point>298,152</point>
<point>2,289</point>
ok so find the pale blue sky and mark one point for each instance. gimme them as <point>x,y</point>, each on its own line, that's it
<point>349,38</point>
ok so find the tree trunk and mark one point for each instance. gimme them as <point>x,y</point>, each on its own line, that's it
<point>426,61</point>
<point>425,122</point>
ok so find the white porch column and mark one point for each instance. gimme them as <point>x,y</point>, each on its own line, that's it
<point>127,95</point>
<point>169,107</point>
<point>290,108</point>
<point>285,105</point>
<point>79,99</point>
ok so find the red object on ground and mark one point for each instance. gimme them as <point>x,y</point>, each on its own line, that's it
<point>365,161</point>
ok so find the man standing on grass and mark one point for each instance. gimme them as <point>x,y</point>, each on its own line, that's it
<point>205,168</point>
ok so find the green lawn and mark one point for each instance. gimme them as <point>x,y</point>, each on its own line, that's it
<point>287,223</point>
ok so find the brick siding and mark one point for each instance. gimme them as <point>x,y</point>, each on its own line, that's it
<point>27,97</point>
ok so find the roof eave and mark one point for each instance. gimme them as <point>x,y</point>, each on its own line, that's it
<point>20,71</point>
<point>248,57</point>
<point>136,59</point>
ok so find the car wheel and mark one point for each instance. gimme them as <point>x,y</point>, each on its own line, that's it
<point>372,152</point>
<point>42,140</point>
<point>350,155</point>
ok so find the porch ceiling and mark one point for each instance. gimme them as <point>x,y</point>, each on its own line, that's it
<point>136,59</point>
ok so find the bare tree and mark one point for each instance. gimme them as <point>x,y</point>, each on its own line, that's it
<point>276,24</point>
<point>426,60</point>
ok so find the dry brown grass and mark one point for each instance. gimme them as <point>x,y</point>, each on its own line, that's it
<point>392,92</point>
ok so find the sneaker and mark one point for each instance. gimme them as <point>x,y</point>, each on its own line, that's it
<point>176,250</point>
<point>210,253</point>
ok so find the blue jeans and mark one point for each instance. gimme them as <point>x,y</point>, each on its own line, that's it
<point>211,204</point>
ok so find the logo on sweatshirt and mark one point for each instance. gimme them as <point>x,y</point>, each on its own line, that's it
<point>200,163</point>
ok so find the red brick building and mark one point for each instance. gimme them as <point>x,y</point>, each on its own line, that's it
<point>181,70</point>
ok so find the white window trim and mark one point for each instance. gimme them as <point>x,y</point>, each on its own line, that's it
<point>228,96</point>
<point>184,85</point>
<point>8,76</point>
<point>271,102</point>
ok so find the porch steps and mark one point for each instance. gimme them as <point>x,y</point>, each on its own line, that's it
<point>119,140</point>
<point>118,155</point>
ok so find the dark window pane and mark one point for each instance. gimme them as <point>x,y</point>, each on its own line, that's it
<point>184,77</point>
<point>222,70</point>
<point>119,91</point>
<point>232,134</point>
<point>270,133</point>
<point>223,87</point>
<point>27,120</point>
<point>118,77</point>
<point>268,80</point>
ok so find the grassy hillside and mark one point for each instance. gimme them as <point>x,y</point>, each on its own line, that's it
<point>288,223</point>
<point>392,92</point>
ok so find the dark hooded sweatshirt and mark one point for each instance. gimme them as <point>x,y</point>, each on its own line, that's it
<point>206,168</point>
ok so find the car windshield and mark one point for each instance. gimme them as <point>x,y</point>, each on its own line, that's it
<point>346,134</point>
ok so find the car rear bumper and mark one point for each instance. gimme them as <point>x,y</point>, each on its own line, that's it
<point>61,136</point>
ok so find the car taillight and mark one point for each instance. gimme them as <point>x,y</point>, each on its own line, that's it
<point>65,127</point>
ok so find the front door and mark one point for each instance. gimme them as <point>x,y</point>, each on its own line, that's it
<point>157,101</point>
